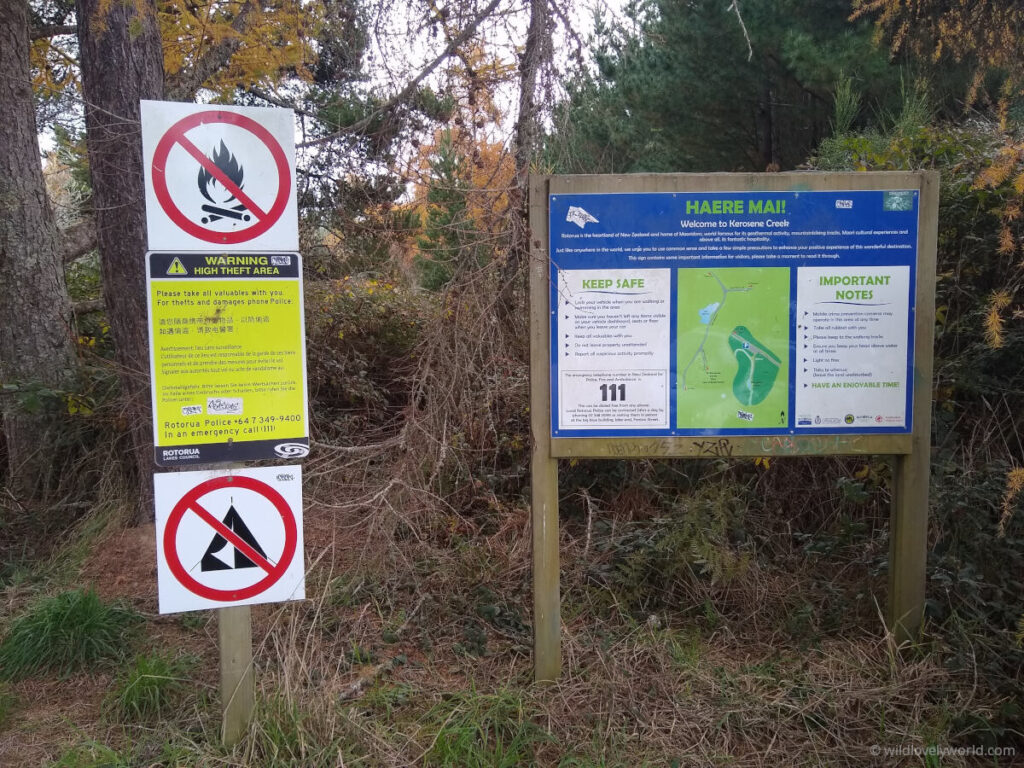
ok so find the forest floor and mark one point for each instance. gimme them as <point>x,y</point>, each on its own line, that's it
<point>413,659</point>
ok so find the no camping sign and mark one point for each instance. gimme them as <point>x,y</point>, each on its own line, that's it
<point>229,537</point>
<point>219,177</point>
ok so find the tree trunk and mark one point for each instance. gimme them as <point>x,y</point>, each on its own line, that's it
<point>769,160</point>
<point>36,336</point>
<point>121,62</point>
<point>535,52</point>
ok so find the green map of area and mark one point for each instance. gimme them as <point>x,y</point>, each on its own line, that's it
<point>733,348</point>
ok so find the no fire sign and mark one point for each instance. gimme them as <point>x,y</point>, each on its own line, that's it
<point>219,176</point>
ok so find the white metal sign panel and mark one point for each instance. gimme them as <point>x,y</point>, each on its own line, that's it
<point>229,537</point>
<point>219,177</point>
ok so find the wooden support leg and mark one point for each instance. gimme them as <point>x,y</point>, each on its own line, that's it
<point>547,620</point>
<point>237,678</point>
<point>908,545</point>
<point>908,529</point>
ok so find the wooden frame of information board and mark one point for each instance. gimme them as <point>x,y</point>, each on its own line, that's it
<point>911,454</point>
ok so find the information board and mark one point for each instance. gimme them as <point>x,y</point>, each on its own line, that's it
<point>731,313</point>
<point>227,356</point>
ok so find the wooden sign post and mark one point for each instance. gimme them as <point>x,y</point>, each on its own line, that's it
<point>237,678</point>
<point>224,285</point>
<point>732,315</point>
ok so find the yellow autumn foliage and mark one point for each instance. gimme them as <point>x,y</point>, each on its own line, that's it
<point>490,166</point>
<point>276,39</point>
<point>994,318</point>
<point>1014,485</point>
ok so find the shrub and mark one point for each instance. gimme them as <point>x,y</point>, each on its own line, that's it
<point>656,563</point>
<point>360,333</point>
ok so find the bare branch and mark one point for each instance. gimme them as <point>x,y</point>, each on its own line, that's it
<point>736,7</point>
<point>270,98</point>
<point>413,84</point>
<point>79,239</point>
<point>567,24</point>
<point>52,30</point>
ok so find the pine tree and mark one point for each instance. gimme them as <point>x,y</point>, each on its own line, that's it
<point>449,238</point>
<point>700,86</point>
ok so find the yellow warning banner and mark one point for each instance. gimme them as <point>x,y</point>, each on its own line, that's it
<point>228,362</point>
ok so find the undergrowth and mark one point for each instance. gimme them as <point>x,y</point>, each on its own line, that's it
<point>288,734</point>
<point>92,755</point>
<point>723,611</point>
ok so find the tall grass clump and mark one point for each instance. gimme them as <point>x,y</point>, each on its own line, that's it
<point>64,634</point>
<point>151,688</point>
<point>92,755</point>
<point>286,734</point>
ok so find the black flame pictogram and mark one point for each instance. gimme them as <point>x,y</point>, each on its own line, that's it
<point>226,162</point>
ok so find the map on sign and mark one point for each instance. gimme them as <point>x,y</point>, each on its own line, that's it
<point>733,347</point>
<point>732,313</point>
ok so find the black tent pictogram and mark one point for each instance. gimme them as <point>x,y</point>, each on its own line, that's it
<point>233,520</point>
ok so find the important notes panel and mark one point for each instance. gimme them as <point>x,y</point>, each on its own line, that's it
<point>732,313</point>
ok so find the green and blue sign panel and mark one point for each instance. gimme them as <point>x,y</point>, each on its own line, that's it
<point>724,313</point>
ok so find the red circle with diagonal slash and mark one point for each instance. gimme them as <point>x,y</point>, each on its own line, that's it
<point>176,136</point>
<point>191,502</point>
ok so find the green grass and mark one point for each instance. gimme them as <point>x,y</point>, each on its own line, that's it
<point>477,730</point>
<point>64,634</point>
<point>91,755</point>
<point>285,734</point>
<point>151,688</point>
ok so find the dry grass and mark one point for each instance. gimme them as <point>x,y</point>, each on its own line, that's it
<point>413,647</point>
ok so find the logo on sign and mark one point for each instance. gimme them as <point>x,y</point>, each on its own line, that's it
<point>579,217</point>
<point>291,450</point>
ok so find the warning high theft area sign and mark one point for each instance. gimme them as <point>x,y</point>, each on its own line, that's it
<point>227,357</point>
